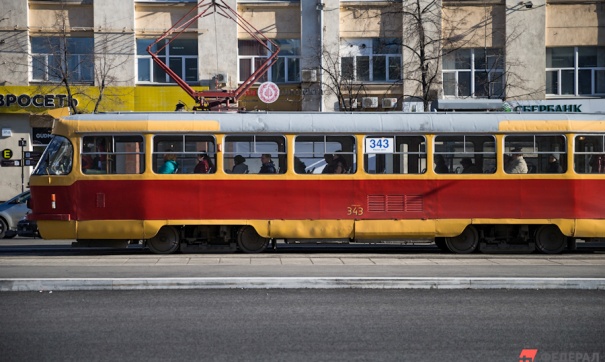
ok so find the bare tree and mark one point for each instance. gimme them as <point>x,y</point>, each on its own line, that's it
<point>339,80</point>
<point>430,33</point>
<point>495,70</point>
<point>84,67</point>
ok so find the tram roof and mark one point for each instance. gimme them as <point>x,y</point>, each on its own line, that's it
<point>301,122</point>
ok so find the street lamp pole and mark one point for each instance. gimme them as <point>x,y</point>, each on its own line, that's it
<point>22,143</point>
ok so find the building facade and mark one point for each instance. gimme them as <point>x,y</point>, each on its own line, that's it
<point>335,55</point>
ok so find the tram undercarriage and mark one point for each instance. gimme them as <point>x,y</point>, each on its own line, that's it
<point>547,239</point>
<point>503,238</point>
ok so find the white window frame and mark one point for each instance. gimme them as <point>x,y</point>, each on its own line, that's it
<point>269,75</point>
<point>166,58</point>
<point>76,73</point>
<point>362,47</point>
<point>498,72</point>
<point>576,69</point>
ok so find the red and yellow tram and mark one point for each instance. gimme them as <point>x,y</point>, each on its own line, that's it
<point>468,181</point>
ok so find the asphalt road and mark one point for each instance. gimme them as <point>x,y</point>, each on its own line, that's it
<point>301,325</point>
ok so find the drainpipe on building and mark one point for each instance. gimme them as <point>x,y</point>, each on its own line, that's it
<point>320,7</point>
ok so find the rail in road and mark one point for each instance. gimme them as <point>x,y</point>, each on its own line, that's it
<point>41,265</point>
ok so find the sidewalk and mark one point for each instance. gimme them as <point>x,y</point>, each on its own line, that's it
<point>300,270</point>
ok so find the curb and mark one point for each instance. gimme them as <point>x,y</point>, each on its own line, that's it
<point>72,284</point>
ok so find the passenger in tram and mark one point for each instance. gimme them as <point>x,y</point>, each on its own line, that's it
<point>170,165</point>
<point>553,164</point>
<point>440,165</point>
<point>339,161</point>
<point>100,162</point>
<point>87,161</point>
<point>240,165</point>
<point>468,166</point>
<point>299,166</point>
<point>517,163</point>
<point>597,164</point>
<point>268,166</point>
<point>329,168</point>
<point>204,164</point>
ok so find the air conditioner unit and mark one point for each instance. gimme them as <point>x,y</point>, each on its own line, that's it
<point>222,78</point>
<point>350,103</point>
<point>309,75</point>
<point>389,102</point>
<point>369,102</point>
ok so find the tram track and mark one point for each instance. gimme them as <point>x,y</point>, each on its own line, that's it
<point>40,247</point>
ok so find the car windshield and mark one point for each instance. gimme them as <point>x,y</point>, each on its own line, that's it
<point>57,159</point>
<point>21,198</point>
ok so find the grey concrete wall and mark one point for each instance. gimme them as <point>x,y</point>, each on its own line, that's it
<point>331,43</point>
<point>217,48</point>
<point>14,48</point>
<point>310,48</point>
<point>115,41</point>
<point>525,50</point>
<point>10,177</point>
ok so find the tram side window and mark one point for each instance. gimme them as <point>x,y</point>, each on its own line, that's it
<point>589,154</point>
<point>255,154</point>
<point>57,159</point>
<point>464,154</point>
<point>395,154</point>
<point>535,154</point>
<point>112,154</point>
<point>325,154</point>
<point>184,154</point>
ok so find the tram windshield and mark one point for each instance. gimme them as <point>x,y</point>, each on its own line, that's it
<point>57,159</point>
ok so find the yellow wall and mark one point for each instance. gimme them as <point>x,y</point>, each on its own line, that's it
<point>50,17</point>
<point>129,99</point>
<point>575,25</point>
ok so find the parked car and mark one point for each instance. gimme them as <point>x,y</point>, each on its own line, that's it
<point>28,228</point>
<point>11,212</point>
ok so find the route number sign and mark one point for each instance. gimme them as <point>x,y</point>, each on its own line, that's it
<point>379,145</point>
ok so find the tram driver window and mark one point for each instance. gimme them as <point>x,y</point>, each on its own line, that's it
<point>464,154</point>
<point>57,159</point>
<point>589,154</point>
<point>325,154</point>
<point>255,154</point>
<point>103,154</point>
<point>187,151</point>
<point>535,154</point>
<point>395,154</point>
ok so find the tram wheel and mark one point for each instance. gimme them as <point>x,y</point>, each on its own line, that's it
<point>550,240</point>
<point>440,242</point>
<point>249,241</point>
<point>464,243</point>
<point>166,241</point>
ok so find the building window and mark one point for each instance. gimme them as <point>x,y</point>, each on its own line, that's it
<point>371,59</point>
<point>286,69</point>
<point>575,71</point>
<point>180,53</point>
<point>475,73</point>
<point>58,58</point>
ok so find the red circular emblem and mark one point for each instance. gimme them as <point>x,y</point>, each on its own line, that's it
<point>268,92</point>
